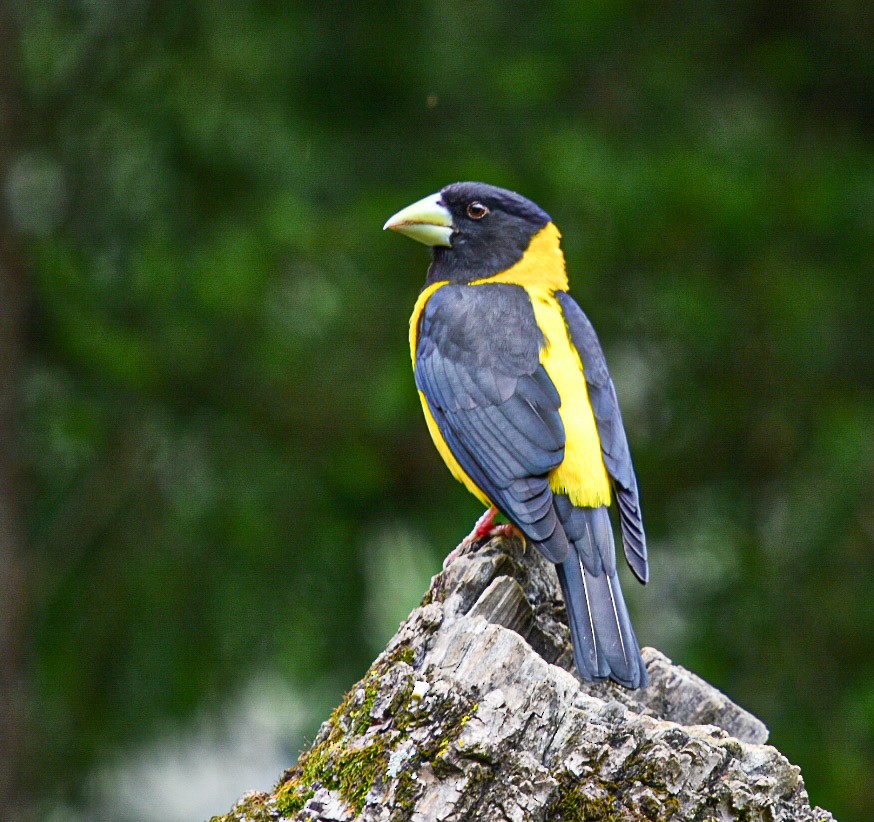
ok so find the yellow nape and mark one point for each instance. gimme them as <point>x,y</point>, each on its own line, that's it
<point>542,264</point>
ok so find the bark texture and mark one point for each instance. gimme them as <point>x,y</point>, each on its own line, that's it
<point>472,713</point>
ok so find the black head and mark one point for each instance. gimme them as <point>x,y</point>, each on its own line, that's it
<point>491,228</point>
<point>475,230</point>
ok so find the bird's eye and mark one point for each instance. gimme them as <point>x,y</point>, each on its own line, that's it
<point>476,210</point>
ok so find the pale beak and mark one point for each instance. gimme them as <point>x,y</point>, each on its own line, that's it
<point>427,221</point>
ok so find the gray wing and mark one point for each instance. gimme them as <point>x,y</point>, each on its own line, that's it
<point>478,365</point>
<point>611,431</point>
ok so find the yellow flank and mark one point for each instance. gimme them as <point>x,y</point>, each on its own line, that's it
<point>418,308</point>
<point>541,272</point>
<point>457,471</point>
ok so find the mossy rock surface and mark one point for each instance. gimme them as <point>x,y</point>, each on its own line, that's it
<point>472,713</point>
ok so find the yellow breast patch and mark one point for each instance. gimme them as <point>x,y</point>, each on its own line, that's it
<point>581,475</point>
<point>541,272</point>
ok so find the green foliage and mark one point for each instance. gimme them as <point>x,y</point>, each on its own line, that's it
<point>219,409</point>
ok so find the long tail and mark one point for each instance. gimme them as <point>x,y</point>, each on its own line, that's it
<point>603,639</point>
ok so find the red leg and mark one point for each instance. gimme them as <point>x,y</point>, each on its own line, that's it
<point>485,527</point>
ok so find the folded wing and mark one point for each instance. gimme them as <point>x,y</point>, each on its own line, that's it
<point>478,366</point>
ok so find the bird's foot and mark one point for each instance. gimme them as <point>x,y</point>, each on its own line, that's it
<point>485,527</point>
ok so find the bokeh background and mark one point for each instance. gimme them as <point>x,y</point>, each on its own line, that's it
<point>217,497</point>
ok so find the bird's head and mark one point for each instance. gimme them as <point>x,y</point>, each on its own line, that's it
<point>475,230</point>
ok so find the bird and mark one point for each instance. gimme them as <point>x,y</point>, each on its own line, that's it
<point>520,404</point>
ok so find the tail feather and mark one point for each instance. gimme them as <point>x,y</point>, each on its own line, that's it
<point>603,638</point>
<point>591,664</point>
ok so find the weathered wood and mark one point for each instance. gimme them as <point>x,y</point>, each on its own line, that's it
<point>473,713</point>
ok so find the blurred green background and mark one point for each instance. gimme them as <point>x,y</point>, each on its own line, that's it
<point>219,497</point>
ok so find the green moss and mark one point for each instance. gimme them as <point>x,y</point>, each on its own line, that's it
<point>604,801</point>
<point>451,735</point>
<point>436,591</point>
<point>351,771</point>
<point>405,797</point>
<point>641,767</point>
<point>336,762</point>
<point>357,771</point>
<point>406,654</point>
<point>257,808</point>
<point>296,788</point>
<point>581,809</point>
<point>349,758</point>
<point>291,802</point>
<point>354,716</point>
<point>360,717</point>
<point>573,805</point>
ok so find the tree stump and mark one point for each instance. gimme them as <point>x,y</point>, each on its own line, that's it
<point>473,712</point>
